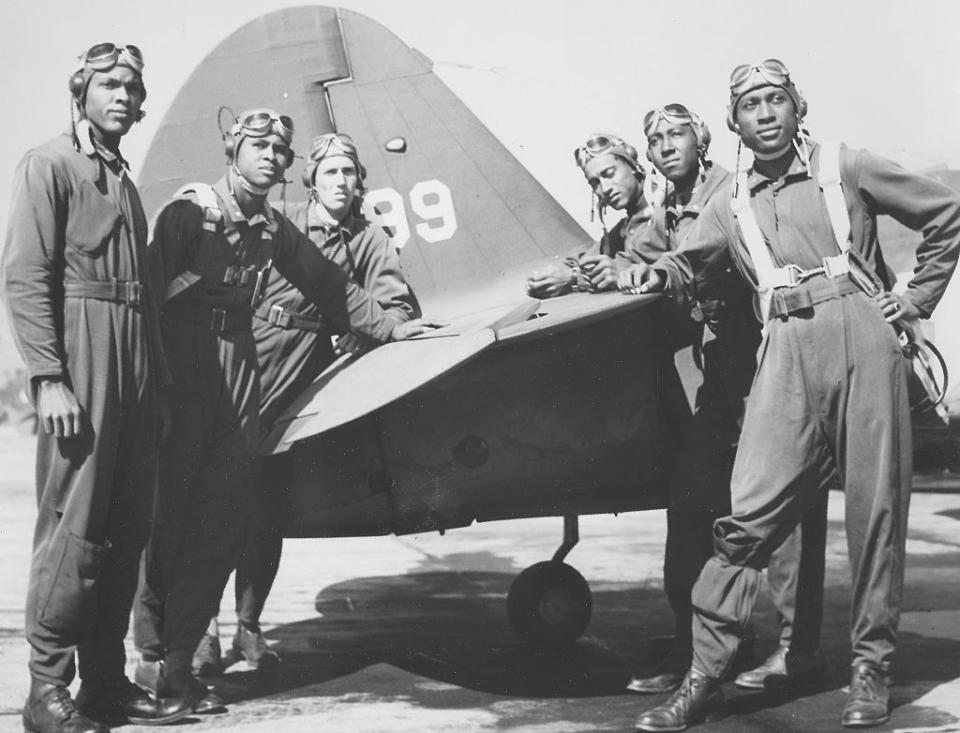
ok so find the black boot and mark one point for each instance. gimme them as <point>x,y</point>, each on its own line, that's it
<point>784,668</point>
<point>697,697</point>
<point>181,684</point>
<point>50,709</point>
<point>120,701</point>
<point>868,702</point>
<point>669,675</point>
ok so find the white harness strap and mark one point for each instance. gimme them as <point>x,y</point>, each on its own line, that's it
<point>770,277</point>
<point>212,216</point>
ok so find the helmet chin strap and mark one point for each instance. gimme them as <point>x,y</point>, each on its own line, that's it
<point>246,185</point>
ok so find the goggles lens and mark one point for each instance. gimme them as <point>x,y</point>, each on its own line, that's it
<point>260,123</point>
<point>332,141</point>
<point>595,146</point>
<point>675,114</point>
<point>105,56</point>
<point>772,71</point>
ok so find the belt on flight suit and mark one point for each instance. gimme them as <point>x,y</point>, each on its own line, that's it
<point>277,315</point>
<point>125,292</point>
<point>216,319</point>
<point>818,289</point>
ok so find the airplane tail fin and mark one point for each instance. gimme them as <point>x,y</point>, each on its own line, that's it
<point>467,216</point>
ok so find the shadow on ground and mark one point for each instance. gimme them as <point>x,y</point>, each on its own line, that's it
<point>450,627</point>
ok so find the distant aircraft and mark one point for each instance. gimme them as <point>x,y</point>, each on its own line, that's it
<point>518,408</point>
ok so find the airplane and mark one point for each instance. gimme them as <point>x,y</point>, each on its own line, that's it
<point>517,408</point>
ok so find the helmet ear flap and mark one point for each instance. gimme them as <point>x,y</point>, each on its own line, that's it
<point>76,84</point>
<point>229,146</point>
<point>731,120</point>
<point>290,159</point>
<point>309,171</point>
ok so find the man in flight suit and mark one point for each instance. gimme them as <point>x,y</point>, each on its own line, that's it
<point>293,347</point>
<point>677,144</point>
<point>213,250</point>
<point>85,321</point>
<point>830,390</point>
<point>613,171</point>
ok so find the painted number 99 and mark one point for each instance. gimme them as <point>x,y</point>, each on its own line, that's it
<point>430,201</point>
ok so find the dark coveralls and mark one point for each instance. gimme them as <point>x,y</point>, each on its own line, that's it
<point>829,393</point>
<point>293,347</point>
<point>700,485</point>
<point>207,484</point>
<point>81,311</point>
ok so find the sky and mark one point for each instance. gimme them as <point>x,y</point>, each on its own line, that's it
<point>544,74</point>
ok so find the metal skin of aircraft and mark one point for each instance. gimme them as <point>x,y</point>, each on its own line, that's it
<point>517,408</point>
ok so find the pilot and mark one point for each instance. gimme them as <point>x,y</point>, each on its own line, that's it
<point>612,168</point>
<point>293,347</point>
<point>85,321</point>
<point>678,142</point>
<point>213,250</point>
<point>830,390</point>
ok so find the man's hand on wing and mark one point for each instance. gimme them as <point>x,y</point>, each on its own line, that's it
<point>415,327</point>
<point>553,280</point>
<point>639,279</point>
<point>601,270</point>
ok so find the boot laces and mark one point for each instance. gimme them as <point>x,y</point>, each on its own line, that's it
<point>63,703</point>
<point>863,683</point>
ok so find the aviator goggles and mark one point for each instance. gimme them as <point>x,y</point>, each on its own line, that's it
<point>263,122</point>
<point>105,56</point>
<point>601,145</point>
<point>674,114</point>
<point>332,143</point>
<point>749,76</point>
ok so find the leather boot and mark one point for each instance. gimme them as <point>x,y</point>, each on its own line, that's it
<point>120,701</point>
<point>180,683</point>
<point>50,709</point>
<point>251,645</point>
<point>669,674</point>
<point>783,669</point>
<point>868,702</point>
<point>206,659</point>
<point>699,696</point>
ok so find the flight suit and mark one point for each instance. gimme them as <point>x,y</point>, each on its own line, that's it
<point>829,392</point>
<point>82,311</point>
<point>293,347</point>
<point>207,480</point>
<point>700,485</point>
<point>628,231</point>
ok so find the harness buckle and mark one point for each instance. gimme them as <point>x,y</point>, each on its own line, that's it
<point>218,319</point>
<point>836,266</point>
<point>277,316</point>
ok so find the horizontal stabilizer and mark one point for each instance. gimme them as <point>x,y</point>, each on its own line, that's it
<point>350,388</point>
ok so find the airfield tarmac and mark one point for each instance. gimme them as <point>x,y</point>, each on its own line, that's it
<point>412,635</point>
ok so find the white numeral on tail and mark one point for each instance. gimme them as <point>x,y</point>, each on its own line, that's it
<point>430,200</point>
<point>384,205</point>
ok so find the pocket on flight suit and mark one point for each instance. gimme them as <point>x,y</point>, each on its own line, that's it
<point>92,220</point>
<point>75,566</point>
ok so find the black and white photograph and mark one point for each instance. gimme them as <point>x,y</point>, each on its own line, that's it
<point>480,365</point>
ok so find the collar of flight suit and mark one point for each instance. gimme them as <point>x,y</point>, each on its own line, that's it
<point>232,211</point>
<point>797,171</point>
<point>115,161</point>
<point>318,218</point>
<point>699,197</point>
